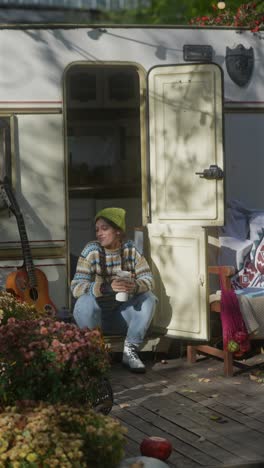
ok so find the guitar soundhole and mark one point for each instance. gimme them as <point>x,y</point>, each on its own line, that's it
<point>33,294</point>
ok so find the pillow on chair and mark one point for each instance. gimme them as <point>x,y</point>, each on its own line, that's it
<point>236,222</point>
<point>233,251</point>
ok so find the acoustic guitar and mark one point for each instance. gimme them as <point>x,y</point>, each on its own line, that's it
<point>28,283</point>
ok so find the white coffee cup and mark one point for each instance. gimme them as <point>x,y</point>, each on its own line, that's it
<point>122,296</point>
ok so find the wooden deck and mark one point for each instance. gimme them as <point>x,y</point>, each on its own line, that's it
<point>210,420</point>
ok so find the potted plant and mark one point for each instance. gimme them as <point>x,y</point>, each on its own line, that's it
<point>46,435</point>
<point>50,361</point>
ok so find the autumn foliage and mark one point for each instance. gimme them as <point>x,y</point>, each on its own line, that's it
<point>49,360</point>
<point>247,15</point>
<point>51,376</point>
<point>43,435</point>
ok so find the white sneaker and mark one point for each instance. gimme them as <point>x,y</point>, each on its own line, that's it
<point>131,359</point>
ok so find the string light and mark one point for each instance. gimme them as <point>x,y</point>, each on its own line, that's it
<point>221,5</point>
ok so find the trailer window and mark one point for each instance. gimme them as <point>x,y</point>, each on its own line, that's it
<point>103,131</point>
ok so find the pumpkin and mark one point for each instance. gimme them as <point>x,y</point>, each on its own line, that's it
<point>156,447</point>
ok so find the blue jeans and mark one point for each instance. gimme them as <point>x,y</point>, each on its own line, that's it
<point>130,319</point>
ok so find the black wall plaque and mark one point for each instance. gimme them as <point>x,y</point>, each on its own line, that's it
<point>240,64</point>
<point>197,53</point>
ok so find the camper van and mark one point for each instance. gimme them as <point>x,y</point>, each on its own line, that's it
<point>166,122</point>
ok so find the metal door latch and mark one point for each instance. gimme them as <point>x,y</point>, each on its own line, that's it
<point>201,280</point>
<point>214,172</point>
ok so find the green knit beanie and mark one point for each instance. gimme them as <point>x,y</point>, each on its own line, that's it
<point>116,215</point>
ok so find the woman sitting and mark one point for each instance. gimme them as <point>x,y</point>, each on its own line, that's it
<point>100,278</point>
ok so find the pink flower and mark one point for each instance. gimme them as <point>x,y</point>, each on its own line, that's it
<point>28,356</point>
<point>55,343</point>
<point>58,325</point>
<point>11,320</point>
<point>44,331</point>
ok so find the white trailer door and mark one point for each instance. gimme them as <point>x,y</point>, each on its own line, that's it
<point>185,138</point>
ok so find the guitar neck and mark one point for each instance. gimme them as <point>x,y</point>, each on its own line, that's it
<point>10,199</point>
<point>28,262</point>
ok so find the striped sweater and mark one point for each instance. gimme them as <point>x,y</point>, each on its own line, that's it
<point>89,272</point>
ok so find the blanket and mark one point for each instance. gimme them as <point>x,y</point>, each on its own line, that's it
<point>242,245</point>
<point>241,242</point>
<point>252,310</point>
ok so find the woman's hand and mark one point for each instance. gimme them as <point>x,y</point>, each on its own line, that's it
<point>121,285</point>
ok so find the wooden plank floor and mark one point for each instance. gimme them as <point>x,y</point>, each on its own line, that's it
<point>210,420</point>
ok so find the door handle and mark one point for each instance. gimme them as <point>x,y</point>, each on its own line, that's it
<point>214,172</point>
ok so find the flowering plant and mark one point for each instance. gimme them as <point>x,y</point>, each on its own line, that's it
<point>10,306</point>
<point>59,435</point>
<point>249,15</point>
<point>51,361</point>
